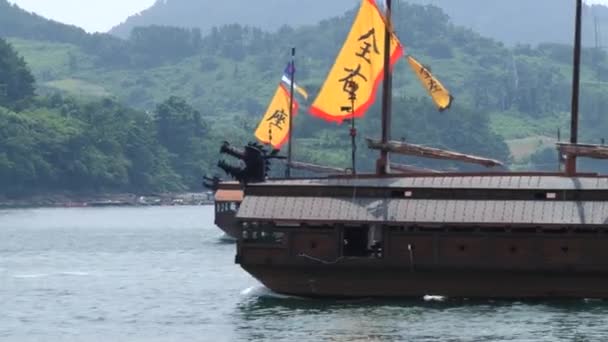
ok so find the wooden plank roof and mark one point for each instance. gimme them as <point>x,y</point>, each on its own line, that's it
<point>223,195</point>
<point>417,211</point>
<point>440,181</point>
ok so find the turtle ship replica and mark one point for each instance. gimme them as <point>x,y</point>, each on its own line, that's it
<point>491,235</point>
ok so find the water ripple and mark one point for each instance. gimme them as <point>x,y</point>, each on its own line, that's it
<point>160,274</point>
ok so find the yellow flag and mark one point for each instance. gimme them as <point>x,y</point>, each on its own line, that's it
<point>274,127</point>
<point>441,96</point>
<point>359,68</point>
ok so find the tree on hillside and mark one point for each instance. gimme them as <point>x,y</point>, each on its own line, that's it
<point>16,80</point>
<point>156,44</point>
<point>181,130</point>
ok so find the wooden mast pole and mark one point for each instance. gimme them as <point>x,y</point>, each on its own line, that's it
<point>571,159</point>
<point>383,164</point>
<point>292,71</point>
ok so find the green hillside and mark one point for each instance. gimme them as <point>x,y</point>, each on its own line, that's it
<point>524,90</point>
<point>215,87</point>
<point>90,144</point>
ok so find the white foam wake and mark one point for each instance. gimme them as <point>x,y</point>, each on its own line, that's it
<point>44,275</point>
<point>260,291</point>
<point>430,298</point>
<point>30,276</point>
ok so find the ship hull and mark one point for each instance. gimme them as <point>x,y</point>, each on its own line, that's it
<point>228,224</point>
<point>530,236</point>
<point>414,264</point>
<point>338,283</point>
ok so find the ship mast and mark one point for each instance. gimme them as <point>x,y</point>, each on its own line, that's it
<point>292,71</point>
<point>571,158</point>
<point>383,164</point>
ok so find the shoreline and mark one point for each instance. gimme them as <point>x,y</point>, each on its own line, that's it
<point>67,200</point>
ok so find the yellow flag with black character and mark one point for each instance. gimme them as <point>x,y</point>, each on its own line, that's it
<point>359,68</point>
<point>441,96</point>
<point>274,127</point>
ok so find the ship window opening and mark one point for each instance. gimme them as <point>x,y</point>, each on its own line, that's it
<point>462,248</point>
<point>278,237</point>
<point>555,230</point>
<point>402,194</point>
<point>513,249</point>
<point>545,195</point>
<point>313,245</point>
<point>355,242</point>
<point>524,230</point>
<point>465,229</point>
<point>565,249</point>
<point>322,227</point>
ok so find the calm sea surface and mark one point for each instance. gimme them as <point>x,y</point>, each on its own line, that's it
<point>164,274</point>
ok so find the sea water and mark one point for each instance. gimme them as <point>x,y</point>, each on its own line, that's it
<point>166,274</point>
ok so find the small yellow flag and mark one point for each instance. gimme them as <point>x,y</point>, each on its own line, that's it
<point>441,96</point>
<point>274,127</point>
<point>359,68</point>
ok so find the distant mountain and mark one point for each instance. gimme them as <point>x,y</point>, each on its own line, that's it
<point>512,22</point>
<point>524,21</point>
<point>205,14</point>
<point>147,46</point>
<point>17,22</point>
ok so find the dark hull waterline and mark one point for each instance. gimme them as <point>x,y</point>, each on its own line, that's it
<point>333,283</point>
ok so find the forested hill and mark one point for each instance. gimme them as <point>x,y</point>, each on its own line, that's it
<point>16,22</point>
<point>524,21</point>
<point>205,14</point>
<point>154,119</point>
<point>511,22</point>
<point>105,50</point>
<point>60,144</point>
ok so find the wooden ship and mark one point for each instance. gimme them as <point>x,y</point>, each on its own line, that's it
<point>493,234</point>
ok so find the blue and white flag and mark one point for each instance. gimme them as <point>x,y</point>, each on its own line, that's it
<point>290,71</point>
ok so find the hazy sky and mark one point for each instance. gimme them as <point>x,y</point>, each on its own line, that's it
<point>101,15</point>
<point>92,15</point>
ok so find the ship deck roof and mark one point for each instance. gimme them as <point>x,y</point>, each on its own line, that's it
<point>419,211</point>
<point>459,181</point>
<point>223,195</point>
